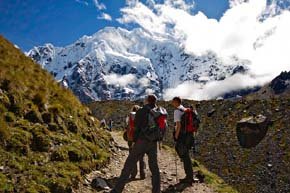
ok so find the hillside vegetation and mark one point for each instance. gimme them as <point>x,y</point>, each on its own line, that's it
<point>48,139</point>
<point>262,169</point>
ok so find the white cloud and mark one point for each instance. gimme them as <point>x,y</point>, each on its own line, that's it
<point>115,79</point>
<point>214,89</point>
<point>181,4</point>
<point>144,82</point>
<point>149,91</point>
<point>236,2</point>
<point>240,32</point>
<point>99,6</point>
<point>151,3</point>
<point>105,16</point>
<point>125,80</point>
<point>82,2</point>
<point>144,16</point>
<point>131,3</point>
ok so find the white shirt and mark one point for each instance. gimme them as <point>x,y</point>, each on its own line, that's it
<point>178,113</point>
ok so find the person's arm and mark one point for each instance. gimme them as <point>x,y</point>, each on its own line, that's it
<point>177,129</point>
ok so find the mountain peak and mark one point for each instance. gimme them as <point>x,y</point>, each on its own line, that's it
<point>116,63</point>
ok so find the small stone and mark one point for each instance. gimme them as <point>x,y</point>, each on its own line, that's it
<point>169,179</point>
<point>195,180</point>
<point>99,183</point>
<point>98,172</point>
<point>211,112</point>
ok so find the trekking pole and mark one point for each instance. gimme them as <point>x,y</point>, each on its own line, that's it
<point>176,174</point>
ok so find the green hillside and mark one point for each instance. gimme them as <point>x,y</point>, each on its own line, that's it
<point>48,139</point>
<point>262,169</point>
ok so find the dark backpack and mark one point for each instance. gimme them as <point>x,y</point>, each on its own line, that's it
<point>156,125</point>
<point>189,120</point>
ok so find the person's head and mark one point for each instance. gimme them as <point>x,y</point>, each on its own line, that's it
<point>176,101</point>
<point>135,108</point>
<point>151,99</point>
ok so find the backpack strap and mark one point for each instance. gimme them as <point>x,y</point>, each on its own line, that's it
<point>151,110</point>
<point>182,109</point>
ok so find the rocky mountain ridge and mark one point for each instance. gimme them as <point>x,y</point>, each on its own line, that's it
<point>278,87</point>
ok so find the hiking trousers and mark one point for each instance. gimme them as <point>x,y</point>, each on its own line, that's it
<point>141,164</point>
<point>183,147</point>
<point>139,149</point>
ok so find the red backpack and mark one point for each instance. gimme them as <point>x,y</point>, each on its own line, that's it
<point>189,120</point>
<point>161,122</point>
<point>131,127</point>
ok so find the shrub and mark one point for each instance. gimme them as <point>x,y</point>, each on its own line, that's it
<point>4,133</point>
<point>19,141</point>
<point>59,154</point>
<point>5,185</point>
<point>53,127</point>
<point>40,100</point>
<point>72,126</point>
<point>10,117</point>
<point>33,115</point>
<point>40,139</point>
<point>4,99</point>
<point>47,117</point>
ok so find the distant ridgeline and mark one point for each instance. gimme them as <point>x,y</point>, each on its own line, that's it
<point>48,139</point>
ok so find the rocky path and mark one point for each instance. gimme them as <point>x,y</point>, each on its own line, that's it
<point>167,159</point>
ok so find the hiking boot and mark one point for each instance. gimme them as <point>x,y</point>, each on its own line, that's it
<point>142,176</point>
<point>132,178</point>
<point>200,176</point>
<point>186,181</point>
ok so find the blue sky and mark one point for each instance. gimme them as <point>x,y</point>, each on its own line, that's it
<point>29,23</point>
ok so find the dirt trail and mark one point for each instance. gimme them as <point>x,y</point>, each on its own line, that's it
<point>167,167</point>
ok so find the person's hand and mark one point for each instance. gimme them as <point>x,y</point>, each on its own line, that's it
<point>173,135</point>
<point>133,143</point>
<point>176,135</point>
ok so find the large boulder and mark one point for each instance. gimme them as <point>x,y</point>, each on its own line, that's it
<point>251,130</point>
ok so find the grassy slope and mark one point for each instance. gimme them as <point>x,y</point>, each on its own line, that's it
<point>48,139</point>
<point>247,170</point>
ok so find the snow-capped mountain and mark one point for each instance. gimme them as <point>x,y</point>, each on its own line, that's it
<point>116,63</point>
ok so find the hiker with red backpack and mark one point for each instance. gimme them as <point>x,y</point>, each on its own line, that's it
<point>130,130</point>
<point>186,124</point>
<point>150,126</point>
